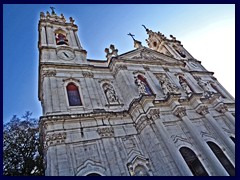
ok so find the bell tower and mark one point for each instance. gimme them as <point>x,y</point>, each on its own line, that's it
<point>58,40</point>
<point>171,47</point>
<point>59,51</point>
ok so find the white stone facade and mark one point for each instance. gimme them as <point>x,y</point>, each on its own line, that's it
<point>118,130</point>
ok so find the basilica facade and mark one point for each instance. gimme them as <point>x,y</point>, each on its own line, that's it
<point>152,111</point>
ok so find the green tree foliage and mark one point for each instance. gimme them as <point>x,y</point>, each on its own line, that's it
<point>22,151</point>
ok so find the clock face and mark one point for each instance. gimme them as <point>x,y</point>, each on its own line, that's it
<point>66,54</point>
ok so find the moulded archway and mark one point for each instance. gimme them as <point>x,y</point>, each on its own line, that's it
<point>193,162</point>
<point>222,158</point>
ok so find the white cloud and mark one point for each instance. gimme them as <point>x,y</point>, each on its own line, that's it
<point>214,46</point>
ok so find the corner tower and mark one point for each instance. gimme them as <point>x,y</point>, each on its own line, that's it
<point>170,47</point>
<point>59,50</point>
<point>58,40</point>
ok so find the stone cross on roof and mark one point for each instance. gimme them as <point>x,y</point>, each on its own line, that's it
<point>131,36</point>
<point>52,8</point>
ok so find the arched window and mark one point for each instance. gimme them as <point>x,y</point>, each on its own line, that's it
<point>73,95</point>
<point>143,85</point>
<point>61,37</point>
<point>193,162</point>
<point>93,174</point>
<point>222,158</point>
<point>232,138</point>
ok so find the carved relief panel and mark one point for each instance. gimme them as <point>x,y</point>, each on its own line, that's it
<point>167,86</point>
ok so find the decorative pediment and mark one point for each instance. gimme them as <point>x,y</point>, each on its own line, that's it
<point>148,55</point>
<point>71,79</point>
<point>89,167</point>
<point>139,166</point>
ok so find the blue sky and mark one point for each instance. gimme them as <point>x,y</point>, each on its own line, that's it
<point>206,31</point>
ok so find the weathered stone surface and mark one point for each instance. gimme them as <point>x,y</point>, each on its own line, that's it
<point>116,130</point>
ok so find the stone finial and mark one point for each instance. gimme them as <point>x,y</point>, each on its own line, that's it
<point>137,44</point>
<point>113,52</point>
<point>42,15</point>
<point>48,14</point>
<point>71,20</point>
<point>145,28</point>
<point>173,38</point>
<point>62,17</point>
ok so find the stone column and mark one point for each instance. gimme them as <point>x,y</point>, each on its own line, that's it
<point>180,162</point>
<point>47,93</point>
<point>43,36</point>
<point>50,35</point>
<point>203,110</point>
<point>222,108</point>
<point>76,37</point>
<point>180,111</point>
<point>74,42</point>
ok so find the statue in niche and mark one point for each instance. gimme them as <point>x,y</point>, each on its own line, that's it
<point>110,93</point>
<point>205,86</point>
<point>184,85</point>
<point>167,86</point>
<point>141,86</point>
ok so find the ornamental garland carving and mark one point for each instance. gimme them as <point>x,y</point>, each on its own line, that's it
<point>55,138</point>
<point>88,74</point>
<point>106,132</point>
<point>146,68</point>
<point>122,67</point>
<point>49,73</point>
<point>118,68</point>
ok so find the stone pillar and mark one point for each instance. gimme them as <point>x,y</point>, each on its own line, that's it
<point>222,108</point>
<point>203,110</point>
<point>55,95</point>
<point>47,95</point>
<point>180,162</point>
<point>43,36</point>
<point>50,35</point>
<point>76,37</point>
<point>180,111</point>
<point>74,43</point>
